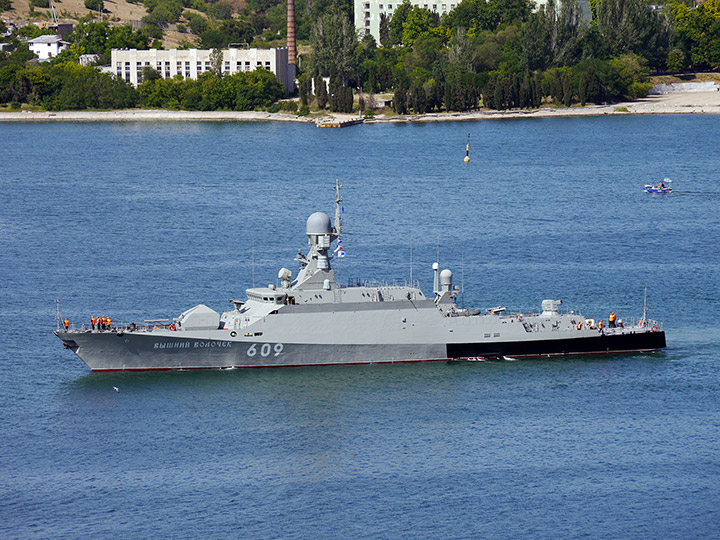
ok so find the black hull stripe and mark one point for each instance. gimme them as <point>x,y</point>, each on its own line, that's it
<point>601,344</point>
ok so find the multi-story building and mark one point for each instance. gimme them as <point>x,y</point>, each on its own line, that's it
<point>189,63</point>
<point>367,12</point>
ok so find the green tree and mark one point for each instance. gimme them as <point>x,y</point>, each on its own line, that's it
<point>699,32</point>
<point>216,62</point>
<point>630,26</point>
<point>418,23</point>
<point>675,61</point>
<point>397,21</point>
<point>385,31</point>
<point>334,41</point>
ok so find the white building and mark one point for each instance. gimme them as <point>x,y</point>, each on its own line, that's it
<point>47,46</point>
<point>189,63</point>
<point>367,12</point>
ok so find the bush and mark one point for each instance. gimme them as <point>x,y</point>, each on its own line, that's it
<point>15,105</point>
<point>288,105</point>
<point>304,111</point>
<point>94,5</point>
<point>370,113</point>
<point>41,3</point>
<point>275,107</point>
<point>639,90</point>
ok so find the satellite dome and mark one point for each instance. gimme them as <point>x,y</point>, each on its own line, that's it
<point>319,223</point>
<point>446,277</point>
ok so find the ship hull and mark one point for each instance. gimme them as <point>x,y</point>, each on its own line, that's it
<point>107,351</point>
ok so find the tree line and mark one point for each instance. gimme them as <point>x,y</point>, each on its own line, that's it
<point>503,54</point>
<point>492,53</point>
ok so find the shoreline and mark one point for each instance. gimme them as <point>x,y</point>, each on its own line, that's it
<point>676,103</point>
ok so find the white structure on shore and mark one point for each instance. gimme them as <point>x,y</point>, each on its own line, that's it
<point>47,46</point>
<point>189,63</point>
<point>367,12</point>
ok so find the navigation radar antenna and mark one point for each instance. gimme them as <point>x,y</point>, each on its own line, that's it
<point>338,200</point>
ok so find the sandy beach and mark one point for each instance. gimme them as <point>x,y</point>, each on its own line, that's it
<point>676,103</point>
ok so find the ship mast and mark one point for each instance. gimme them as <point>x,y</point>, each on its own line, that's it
<point>338,200</point>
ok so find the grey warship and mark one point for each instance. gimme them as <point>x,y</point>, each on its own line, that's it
<point>311,320</point>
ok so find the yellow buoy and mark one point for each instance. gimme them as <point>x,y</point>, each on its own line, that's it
<point>467,151</point>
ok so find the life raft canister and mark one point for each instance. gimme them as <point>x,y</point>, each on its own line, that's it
<point>579,326</point>
<point>171,327</point>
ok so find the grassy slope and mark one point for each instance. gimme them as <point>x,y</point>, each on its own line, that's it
<point>116,12</point>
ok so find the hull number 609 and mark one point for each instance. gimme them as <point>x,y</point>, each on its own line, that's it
<point>266,349</point>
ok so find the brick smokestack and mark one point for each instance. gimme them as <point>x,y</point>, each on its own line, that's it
<point>292,51</point>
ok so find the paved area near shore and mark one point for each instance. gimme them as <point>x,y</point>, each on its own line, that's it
<point>679,103</point>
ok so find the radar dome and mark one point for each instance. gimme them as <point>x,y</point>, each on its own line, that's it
<point>319,223</point>
<point>446,277</point>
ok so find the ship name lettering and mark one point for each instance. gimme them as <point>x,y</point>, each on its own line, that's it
<point>212,344</point>
<point>172,345</point>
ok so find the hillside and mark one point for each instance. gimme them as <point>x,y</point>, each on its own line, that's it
<point>116,12</point>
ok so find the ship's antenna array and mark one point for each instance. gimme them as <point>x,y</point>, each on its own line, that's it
<point>57,316</point>
<point>462,279</point>
<point>338,200</point>
<point>645,306</point>
<point>411,263</point>
<point>252,261</point>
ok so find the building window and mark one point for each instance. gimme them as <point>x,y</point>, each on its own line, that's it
<point>444,7</point>
<point>367,23</point>
<point>367,6</point>
<point>452,6</point>
<point>434,7</point>
<point>381,6</point>
<point>367,31</point>
<point>227,67</point>
<point>267,65</point>
<point>425,6</point>
<point>367,14</point>
<point>389,6</point>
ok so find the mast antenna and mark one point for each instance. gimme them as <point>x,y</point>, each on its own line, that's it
<point>462,280</point>
<point>645,306</point>
<point>57,316</point>
<point>411,263</point>
<point>252,259</point>
<point>338,200</point>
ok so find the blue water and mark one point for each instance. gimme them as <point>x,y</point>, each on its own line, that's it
<point>142,221</point>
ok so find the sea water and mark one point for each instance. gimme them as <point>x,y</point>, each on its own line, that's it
<point>144,220</point>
